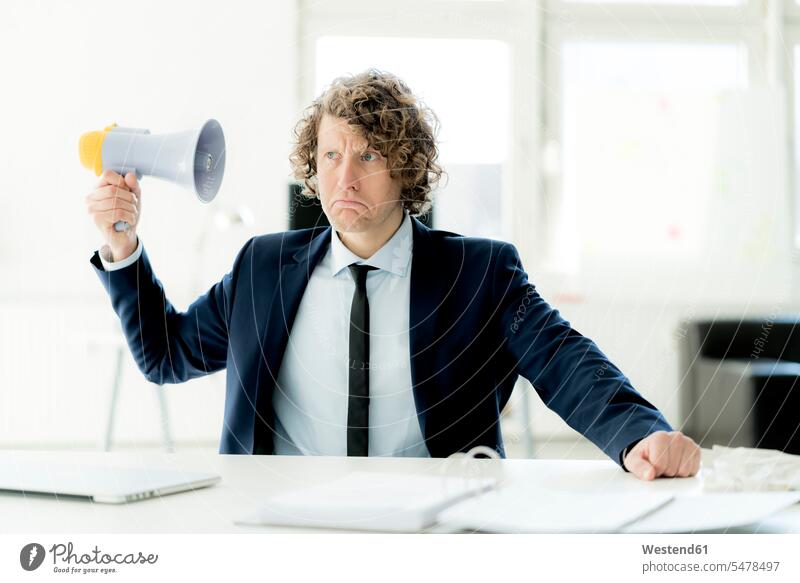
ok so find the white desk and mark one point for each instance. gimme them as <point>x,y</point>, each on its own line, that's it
<point>248,480</point>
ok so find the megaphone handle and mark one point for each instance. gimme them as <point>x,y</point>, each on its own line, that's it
<point>121,226</point>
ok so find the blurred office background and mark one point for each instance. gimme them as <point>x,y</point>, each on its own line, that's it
<point>639,153</point>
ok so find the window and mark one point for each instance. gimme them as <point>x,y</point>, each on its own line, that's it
<point>664,139</point>
<point>639,131</point>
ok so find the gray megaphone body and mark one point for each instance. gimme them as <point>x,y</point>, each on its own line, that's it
<point>194,159</point>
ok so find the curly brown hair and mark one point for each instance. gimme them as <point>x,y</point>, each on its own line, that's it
<point>391,118</point>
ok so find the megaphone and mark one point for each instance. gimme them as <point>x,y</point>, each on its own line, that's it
<point>194,159</point>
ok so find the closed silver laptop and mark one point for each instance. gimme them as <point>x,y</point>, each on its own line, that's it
<point>99,484</point>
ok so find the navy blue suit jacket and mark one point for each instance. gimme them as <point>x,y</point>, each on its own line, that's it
<point>476,322</point>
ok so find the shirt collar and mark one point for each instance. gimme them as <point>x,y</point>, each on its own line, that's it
<point>394,256</point>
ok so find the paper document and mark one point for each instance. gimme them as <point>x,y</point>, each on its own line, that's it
<point>714,511</point>
<point>517,510</point>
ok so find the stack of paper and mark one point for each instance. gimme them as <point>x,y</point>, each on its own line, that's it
<point>369,501</point>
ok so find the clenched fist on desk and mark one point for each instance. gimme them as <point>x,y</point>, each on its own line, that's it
<point>663,454</point>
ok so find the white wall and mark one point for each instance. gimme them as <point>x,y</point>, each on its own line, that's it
<point>70,67</point>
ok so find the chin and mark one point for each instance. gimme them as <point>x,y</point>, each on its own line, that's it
<point>349,222</point>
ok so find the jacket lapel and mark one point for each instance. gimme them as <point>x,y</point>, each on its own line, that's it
<point>428,290</point>
<point>296,268</point>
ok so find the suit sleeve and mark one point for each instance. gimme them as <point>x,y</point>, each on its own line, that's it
<point>170,346</point>
<point>569,372</point>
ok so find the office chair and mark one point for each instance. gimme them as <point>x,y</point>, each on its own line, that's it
<point>740,383</point>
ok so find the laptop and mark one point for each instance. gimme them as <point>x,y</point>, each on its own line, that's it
<point>106,485</point>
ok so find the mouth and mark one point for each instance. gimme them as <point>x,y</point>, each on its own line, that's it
<point>348,203</point>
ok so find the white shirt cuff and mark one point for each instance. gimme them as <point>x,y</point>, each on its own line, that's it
<point>108,265</point>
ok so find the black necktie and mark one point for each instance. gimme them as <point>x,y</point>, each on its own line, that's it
<point>358,380</point>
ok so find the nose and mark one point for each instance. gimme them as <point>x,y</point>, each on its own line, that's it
<point>349,174</point>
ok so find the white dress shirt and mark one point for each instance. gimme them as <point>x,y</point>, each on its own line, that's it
<point>310,399</point>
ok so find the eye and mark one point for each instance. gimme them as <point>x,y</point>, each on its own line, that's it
<point>330,155</point>
<point>369,156</point>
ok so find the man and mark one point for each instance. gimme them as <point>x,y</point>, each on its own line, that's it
<point>377,336</point>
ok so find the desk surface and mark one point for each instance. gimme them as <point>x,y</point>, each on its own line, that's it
<point>248,480</point>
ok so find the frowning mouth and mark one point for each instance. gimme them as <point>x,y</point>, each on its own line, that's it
<point>348,203</point>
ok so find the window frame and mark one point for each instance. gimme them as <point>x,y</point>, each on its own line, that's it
<point>786,26</point>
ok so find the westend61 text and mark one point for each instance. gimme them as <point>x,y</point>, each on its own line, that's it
<point>64,552</point>
<point>675,550</point>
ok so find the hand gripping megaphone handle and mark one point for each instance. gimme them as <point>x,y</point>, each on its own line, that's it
<point>121,226</point>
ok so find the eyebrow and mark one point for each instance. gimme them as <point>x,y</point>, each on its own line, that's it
<point>331,146</point>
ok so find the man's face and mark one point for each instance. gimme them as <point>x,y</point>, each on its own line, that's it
<point>355,188</point>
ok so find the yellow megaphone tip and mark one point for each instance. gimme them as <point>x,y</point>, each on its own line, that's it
<point>90,149</point>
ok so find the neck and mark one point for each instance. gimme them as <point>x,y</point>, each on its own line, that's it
<point>367,243</point>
